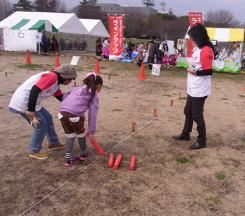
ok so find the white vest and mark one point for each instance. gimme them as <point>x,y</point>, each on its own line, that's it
<point>20,98</point>
<point>198,86</point>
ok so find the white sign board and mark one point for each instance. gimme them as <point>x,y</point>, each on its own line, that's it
<point>75,60</point>
<point>219,64</point>
<point>156,69</point>
<point>39,37</point>
<point>170,46</point>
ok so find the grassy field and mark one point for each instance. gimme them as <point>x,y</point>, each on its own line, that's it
<point>168,179</point>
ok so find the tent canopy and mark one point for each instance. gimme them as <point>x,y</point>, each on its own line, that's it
<point>20,24</point>
<point>40,25</point>
<point>63,22</point>
<point>224,34</point>
<point>95,27</point>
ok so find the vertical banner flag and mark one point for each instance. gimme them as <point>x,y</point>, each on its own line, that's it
<point>116,36</point>
<point>194,17</point>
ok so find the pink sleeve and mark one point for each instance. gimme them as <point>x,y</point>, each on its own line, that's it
<point>46,80</point>
<point>206,58</point>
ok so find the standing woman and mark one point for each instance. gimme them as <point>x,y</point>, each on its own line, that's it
<point>105,50</point>
<point>198,85</point>
<point>151,54</point>
<point>98,48</point>
<point>140,56</point>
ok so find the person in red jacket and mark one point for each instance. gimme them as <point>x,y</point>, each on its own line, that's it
<point>198,85</point>
<point>26,101</point>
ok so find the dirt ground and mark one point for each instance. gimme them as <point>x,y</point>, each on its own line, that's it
<point>211,183</point>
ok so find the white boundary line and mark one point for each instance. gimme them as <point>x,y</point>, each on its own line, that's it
<point>98,159</point>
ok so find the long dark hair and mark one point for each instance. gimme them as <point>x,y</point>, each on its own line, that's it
<point>199,35</point>
<point>91,82</point>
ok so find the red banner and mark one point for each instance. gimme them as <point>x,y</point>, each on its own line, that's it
<point>116,35</point>
<point>194,17</point>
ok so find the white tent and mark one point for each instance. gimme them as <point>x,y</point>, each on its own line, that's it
<point>63,23</point>
<point>96,29</point>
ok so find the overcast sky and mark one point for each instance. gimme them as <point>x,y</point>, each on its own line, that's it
<point>180,7</point>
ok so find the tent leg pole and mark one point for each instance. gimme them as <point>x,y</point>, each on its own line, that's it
<point>59,40</point>
<point>39,48</point>
<point>88,36</point>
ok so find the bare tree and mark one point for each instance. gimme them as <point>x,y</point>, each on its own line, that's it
<point>134,27</point>
<point>50,6</point>
<point>5,9</point>
<point>62,7</point>
<point>174,29</point>
<point>41,5</point>
<point>88,10</point>
<point>57,5</point>
<point>221,18</point>
<point>153,26</point>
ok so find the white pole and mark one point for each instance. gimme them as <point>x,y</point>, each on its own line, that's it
<point>241,45</point>
<point>39,48</point>
<point>59,40</point>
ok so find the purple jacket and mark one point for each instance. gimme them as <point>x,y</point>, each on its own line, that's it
<point>76,102</point>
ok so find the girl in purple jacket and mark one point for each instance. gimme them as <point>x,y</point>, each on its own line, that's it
<point>73,106</point>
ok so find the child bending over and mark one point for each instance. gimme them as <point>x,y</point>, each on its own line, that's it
<point>72,109</point>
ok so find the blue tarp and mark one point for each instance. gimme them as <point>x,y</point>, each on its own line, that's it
<point>126,56</point>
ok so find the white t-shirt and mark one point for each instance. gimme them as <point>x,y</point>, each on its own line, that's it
<point>200,86</point>
<point>20,98</point>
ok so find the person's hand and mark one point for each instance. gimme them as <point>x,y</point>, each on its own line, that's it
<point>35,121</point>
<point>190,70</point>
<point>91,137</point>
<point>30,115</point>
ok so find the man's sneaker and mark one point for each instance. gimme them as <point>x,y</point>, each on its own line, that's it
<point>39,155</point>
<point>72,161</point>
<point>85,154</point>
<point>54,147</point>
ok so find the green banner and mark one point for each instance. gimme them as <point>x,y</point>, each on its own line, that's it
<point>231,67</point>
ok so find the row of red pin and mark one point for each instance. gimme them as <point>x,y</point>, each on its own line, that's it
<point>111,156</point>
<point>118,160</point>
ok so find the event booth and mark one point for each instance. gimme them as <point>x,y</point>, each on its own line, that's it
<point>227,43</point>
<point>20,30</point>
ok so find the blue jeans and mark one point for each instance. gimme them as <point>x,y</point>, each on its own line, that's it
<point>45,128</point>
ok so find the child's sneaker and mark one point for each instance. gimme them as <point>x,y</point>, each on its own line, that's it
<point>54,147</point>
<point>38,155</point>
<point>72,161</point>
<point>85,154</point>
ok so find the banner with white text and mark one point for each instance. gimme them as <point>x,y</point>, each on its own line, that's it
<point>116,36</point>
<point>194,17</point>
